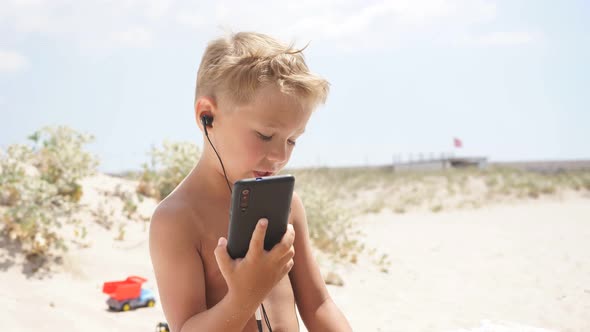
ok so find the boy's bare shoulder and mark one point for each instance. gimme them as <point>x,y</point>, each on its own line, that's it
<point>185,216</point>
<point>176,218</point>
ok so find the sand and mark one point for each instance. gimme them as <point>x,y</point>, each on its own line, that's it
<point>502,268</point>
<point>518,267</point>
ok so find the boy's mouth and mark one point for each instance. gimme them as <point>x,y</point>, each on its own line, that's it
<point>258,174</point>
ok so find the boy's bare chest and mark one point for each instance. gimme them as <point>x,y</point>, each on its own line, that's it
<point>215,226</point>
<point>280,299</point>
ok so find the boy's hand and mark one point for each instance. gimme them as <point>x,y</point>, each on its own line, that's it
<point>251,278</point>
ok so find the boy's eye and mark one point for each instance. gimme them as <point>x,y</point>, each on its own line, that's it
<point>268,138</point>
<point>263,137</point>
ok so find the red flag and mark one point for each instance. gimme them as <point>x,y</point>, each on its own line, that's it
<point>457,142</point>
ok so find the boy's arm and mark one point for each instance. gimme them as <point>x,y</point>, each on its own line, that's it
<point>318,311</point>
<point>181,282</point>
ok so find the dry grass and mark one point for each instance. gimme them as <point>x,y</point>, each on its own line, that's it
<point>335,197</point>
<point>371,190</point>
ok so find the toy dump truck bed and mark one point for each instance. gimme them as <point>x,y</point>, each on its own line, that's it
<point>123,290</point>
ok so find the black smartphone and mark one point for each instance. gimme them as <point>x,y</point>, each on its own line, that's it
<point>255,198</point>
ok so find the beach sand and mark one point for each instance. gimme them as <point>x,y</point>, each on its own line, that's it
<point>523,266</point>
<point>501,268</point>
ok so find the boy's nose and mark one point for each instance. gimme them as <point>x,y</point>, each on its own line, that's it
<point>279,153</point>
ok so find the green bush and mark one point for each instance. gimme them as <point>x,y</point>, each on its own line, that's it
<point>61,160</point>
<point>169,165</point>
<point>39,187</point>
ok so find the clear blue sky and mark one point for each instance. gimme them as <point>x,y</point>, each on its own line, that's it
<point>510,78</point>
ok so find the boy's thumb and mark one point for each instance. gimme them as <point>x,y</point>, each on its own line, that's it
<point>222,256</point>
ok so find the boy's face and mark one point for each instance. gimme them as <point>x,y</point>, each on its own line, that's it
<point>257,139</point>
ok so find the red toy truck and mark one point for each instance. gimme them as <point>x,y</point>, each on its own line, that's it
<point>128,294</point>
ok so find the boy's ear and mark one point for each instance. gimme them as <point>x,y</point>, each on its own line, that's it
<point>204,106</point>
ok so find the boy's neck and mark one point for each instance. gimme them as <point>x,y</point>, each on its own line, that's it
<point>206,177</point>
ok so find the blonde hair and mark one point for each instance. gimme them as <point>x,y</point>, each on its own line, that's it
<point>236,66</point>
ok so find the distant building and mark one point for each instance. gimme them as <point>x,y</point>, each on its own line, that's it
<point>442,163</point>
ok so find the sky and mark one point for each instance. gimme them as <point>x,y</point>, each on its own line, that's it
<point>509,78</point>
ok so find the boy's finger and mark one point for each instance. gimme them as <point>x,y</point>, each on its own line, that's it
<point>288,266</point>
<point>289,236</point>
<point>286,243</point>
<point>257,241</point>
<point>288,255</point>
<point>222,256</point>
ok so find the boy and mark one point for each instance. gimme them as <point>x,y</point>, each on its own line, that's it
<point>253,99</point>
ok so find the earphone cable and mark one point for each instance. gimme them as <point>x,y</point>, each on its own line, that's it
<point>266,318</point>
<point>258,322</point>
<point>221,162</point>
